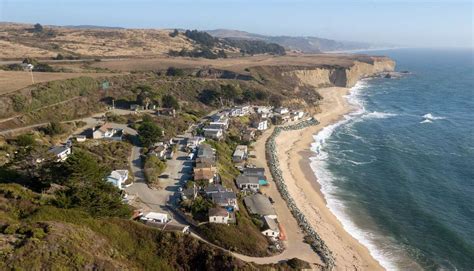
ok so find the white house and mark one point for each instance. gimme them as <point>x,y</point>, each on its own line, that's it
<point>61,152</point>
<point>106,131</point>
<point>118,178</point>
<point>80,138</point>
<point>239,111</point>
<point>213,133</point>
<point>240,154</point>
<point>271,228</point>
<point>219,215</point>
<point>282,110</point>
<point>248,182</point>
<point>261,124</point>
<point>155,217</point>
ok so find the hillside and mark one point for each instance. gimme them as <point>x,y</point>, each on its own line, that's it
<point>35,235</point>
<point>19,41</point>
<point>297,43</point>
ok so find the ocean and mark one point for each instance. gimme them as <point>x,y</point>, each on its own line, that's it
<point>399,171</point>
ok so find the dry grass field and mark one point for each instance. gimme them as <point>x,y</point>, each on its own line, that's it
<point>18,41</point>
<point>232,64</point>
<point>14,80</point>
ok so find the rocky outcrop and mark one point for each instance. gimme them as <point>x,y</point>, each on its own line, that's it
<point>341,76</point>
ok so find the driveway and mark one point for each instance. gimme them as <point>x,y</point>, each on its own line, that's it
<point>179,170</point>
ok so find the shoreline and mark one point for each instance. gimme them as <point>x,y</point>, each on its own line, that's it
<point>294,154</point>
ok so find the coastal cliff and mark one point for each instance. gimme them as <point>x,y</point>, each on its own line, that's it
<point>340,76</point>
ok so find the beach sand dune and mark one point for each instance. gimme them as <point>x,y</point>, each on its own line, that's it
<point>293,154</point>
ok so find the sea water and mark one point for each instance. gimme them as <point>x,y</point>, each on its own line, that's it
<point>398,172</point>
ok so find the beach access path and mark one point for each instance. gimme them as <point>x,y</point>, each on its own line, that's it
<point>295,245</point>
<point>293,154</point>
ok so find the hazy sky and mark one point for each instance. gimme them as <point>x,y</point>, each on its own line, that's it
<point>403,22</point>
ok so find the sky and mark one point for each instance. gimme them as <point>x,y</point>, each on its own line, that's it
<point>417,23</point>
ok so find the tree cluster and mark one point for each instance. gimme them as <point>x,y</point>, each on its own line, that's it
<point>253,47</point>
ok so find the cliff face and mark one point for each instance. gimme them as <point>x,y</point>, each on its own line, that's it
<point>341,76</point>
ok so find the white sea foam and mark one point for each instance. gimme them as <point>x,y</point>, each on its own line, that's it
<point>430,116</point>
<point>378,115</point>
<point>383,250</point>
<point>426,121</point>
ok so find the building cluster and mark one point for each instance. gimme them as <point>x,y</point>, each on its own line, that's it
<point>207,184</point>
<point>261,117</point>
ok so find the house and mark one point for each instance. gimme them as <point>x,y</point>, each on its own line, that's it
<point>190,193</point>
<point>270,227</point>
<point>106,131</point>
<point>166,112</point>
<point>219,116</point>
<point>194,142</point>
<point>155,217</point>
<point>206,151</point>
<point>248,134</point>
<point>223,123</point>
<point>247,183</point>
<point>263,109</point>
<point>281,110</point>
<point>257,172</point>
<point>240,154</point>
<point>118,178</point>
<point>204,174</point>
<point>226,199</point>
<point>219,215</point>
<point>239,111</point>
<point>205,162</point>
<point>259,204</point>
<point>215,188</point>
<point>296,115</point>
<point>217,134</point>
<point>159,151</point>
<point>80,138</point>
<point>61,152</point>
<point>260,124</point>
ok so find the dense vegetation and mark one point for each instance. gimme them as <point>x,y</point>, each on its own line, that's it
<point>153,168</point>
<point>208,43</point>
<point>254,47</point>
<point>35,235</point>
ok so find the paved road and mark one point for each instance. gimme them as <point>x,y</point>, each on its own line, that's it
<point>179,170</point>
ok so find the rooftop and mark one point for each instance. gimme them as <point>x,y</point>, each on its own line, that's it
<point>58,149</point>
<point>259,171</point>
<point>218,212</point>
<point>242,179</point>
<point>259,204</point>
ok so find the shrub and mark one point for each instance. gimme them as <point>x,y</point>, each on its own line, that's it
<point>25,140</point>
<point>172,71</point>
<point>169,101</point>
<point>154,167</point>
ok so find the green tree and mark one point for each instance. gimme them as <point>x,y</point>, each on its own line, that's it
<point>172,71</point>
<point>87,188</point>
<point>38,28</point>
<point>174,33</point>
<point>54,128</point>
<point>170,101</point>
<point>25,140</point>
<point>154,167</point>
<point>83,166</point>
<point>149,133</point>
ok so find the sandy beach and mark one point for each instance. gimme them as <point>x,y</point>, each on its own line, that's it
<point>293,154</point>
